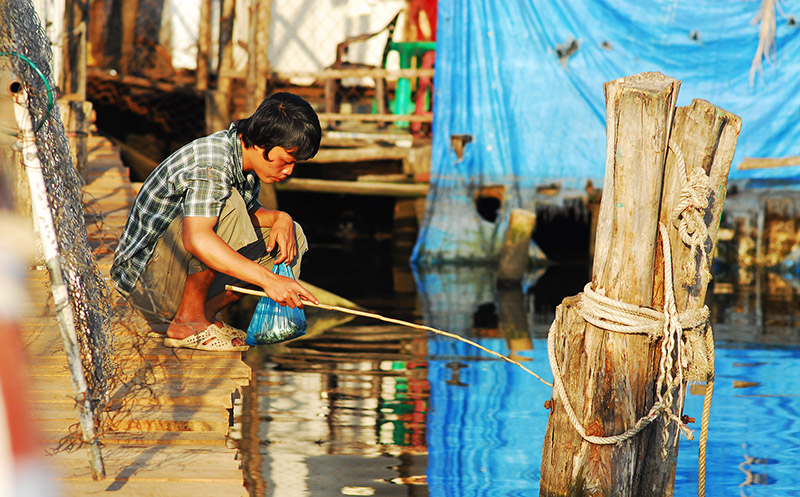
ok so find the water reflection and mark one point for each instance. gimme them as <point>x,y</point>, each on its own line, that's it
<point>368,408</point>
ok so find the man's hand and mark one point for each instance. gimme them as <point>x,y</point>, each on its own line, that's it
<point>287,291</point>
<point>282,234</point>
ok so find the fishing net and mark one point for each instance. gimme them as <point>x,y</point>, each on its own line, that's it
<point>25,46</point>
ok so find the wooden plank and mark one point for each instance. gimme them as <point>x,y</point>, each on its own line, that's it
<point>355,187</point>
<point>767,162</point>
<point>326,116</point>
<point>84,487</point>
<point>176,418</point>
<point>360,154</point>
<point>145,438</point>
<point>357,73</point>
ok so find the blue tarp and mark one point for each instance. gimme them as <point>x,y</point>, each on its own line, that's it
<point>535,119</point>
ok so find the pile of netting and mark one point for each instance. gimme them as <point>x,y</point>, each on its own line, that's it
<point>26,47</point>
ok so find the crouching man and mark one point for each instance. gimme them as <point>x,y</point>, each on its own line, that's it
<point>197,225</point>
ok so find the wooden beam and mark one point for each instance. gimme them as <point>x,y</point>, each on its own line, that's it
<point>767,162</point>
<point>354,187</point>
<point>360,154</point>
<point>356,73</point>
<point>374,117</point>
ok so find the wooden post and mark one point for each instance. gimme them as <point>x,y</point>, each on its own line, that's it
<point>76,30</point>
<point>77,117</point>
<point>218,113</point>
<point>252,59</point>
<point>203,45</point>
<point>258,52</point>
<point>514,255</point>
<point>605,374</point>
<point>263,68</point>
<point>704,136</point>
<point>610,377</point>
<point>130,14</point>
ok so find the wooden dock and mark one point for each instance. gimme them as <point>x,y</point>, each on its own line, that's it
<point>170,434</point>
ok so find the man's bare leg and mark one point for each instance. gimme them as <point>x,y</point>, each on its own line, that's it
<point>191,316</point>
<point>218,302</point>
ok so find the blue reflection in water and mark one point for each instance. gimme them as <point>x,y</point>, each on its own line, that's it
<point>486,422</point>
<point>486,428</point>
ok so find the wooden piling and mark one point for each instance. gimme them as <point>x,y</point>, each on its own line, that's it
<point>514,255</point>
<point>203,45</point>
<point>218,111</point>
<point>610,377</point>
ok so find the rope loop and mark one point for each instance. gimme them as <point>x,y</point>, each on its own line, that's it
<point>621,317</point>
<point>689,212</point>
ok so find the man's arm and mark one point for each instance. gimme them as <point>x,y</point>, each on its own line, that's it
<point>200,239</point>
<point>281,232</point>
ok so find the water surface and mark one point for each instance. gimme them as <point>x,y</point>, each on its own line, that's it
<point>361,407</point>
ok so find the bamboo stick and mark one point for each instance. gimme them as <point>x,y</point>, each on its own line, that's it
<point>415,326</point>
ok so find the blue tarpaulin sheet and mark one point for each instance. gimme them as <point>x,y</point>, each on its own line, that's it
<point>524,80</point>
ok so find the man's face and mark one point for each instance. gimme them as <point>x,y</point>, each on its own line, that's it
<point>271,166</point>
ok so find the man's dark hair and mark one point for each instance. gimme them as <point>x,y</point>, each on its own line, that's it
<point>283,120</point>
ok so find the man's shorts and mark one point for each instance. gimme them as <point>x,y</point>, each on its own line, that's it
<point>159,290</point>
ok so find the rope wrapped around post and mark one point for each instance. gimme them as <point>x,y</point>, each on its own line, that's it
<point>687,347</point>
<point>620,317</point>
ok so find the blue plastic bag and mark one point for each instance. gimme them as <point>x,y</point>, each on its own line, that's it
<point>274,323</point>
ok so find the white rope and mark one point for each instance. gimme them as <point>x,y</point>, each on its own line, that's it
<point>620,317</point>
<point>612,315</point>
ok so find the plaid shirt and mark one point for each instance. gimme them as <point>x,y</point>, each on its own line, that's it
<point>194,181</point>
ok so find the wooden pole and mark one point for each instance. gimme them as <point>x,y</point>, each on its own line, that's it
<point>252,58</point>
<point>203,45</point>
<point>73,69</point>
<point>514,255</point>
<point>130,14</point>
<point>610,377</point>
<point>258,69</point>
<point>263,68</point>
<point>704,136</point>
<point>605,373</point>
<point>218,113</point>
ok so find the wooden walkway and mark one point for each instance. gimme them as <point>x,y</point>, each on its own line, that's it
<point>170,435</point>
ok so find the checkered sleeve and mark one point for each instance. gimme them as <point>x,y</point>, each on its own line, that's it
<point>207,189</point>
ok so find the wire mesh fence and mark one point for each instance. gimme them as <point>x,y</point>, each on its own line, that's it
<point>26,51</point>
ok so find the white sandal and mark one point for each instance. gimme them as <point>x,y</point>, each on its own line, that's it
<point>212,338</point>
<point>231,331</point>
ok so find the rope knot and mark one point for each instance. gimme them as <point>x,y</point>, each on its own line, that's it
<point>688,215</point>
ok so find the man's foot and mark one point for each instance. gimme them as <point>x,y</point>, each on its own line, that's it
<point>212,338</point>
<point>180,329</point>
